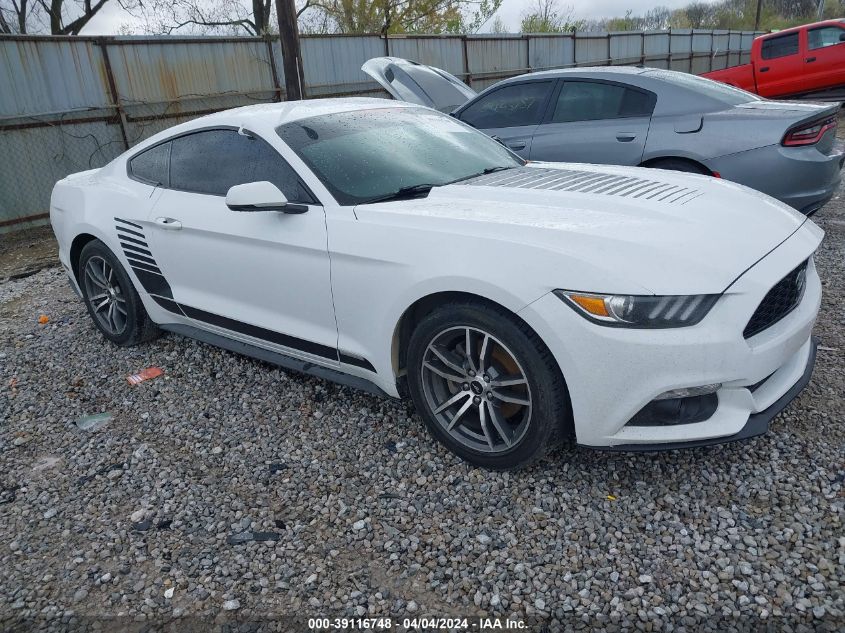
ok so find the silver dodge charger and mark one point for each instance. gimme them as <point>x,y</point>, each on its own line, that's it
<point>649,117</point>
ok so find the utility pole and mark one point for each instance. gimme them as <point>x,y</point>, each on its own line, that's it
<point>291,55</point>
<point>757,19</point>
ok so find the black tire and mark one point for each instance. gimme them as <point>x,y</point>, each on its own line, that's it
<point>536,428</point>
<point>679,164</point>
<point>130,329</point>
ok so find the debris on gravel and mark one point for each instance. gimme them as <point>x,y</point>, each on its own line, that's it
<point>228,485</point>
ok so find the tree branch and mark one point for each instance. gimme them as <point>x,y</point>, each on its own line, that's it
<point>21,10</point>
<point>246,24</point>
<point>4,26</point>
<point>73,28</point>
<point>308,4</point>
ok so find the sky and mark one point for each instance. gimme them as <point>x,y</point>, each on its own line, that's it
<point>108,21</point>
<point>511,10</point>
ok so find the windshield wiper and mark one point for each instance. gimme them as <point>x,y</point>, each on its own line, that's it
<point>489,170</point>
<point>413,191</point>
<point>492,170</point>
<point>410,191</point>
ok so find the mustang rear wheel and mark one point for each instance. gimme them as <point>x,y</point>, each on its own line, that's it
<point>111,299</point>
<point>486,386</point>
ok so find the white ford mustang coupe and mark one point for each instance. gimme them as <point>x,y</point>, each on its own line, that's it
<point>393,248</point>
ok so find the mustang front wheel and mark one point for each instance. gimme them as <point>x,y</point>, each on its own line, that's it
<point>486,385</point>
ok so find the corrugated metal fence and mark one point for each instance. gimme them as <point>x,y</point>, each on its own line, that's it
<point>70,104</point>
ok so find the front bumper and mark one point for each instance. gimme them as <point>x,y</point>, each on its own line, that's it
<point>613,373</point>
<point>758,423</point>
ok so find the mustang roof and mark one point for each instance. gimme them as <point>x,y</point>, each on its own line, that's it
<point>287,111</point>
<point>262,115</point>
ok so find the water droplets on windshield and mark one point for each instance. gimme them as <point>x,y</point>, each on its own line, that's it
<point>365,154</point>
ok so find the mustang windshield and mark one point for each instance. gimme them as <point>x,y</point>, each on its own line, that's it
<point>366,155</point>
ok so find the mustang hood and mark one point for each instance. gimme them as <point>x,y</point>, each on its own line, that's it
<point>638,229</point>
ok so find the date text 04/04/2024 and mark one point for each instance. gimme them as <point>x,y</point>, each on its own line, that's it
<point>415,624</point>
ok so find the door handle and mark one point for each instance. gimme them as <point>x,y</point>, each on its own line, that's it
<point>517,145</point>
<point>168,224</point>
<point>810,59</point>
<point>625,137</point>
<point>764,69</point>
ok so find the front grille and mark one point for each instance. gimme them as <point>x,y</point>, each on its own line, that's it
<point>782,299</point>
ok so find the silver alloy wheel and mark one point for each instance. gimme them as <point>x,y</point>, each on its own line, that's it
<point>105,296</point>
<point>476,389</point>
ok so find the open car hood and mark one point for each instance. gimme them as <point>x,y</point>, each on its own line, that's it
<point>419,84</point>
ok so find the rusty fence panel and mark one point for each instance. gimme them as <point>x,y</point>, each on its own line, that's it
<point>69,104</point>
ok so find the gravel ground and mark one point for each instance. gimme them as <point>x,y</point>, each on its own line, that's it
<point>230,489</point>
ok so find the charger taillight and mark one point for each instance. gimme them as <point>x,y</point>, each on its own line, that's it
<point>809,133</point>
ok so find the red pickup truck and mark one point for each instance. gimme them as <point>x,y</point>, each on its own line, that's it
<point>805,61</point>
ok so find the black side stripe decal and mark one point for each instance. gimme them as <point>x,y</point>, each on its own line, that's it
<point>122,221</point>
<point>130,232</point>
<point>168,304</point>
<point>146,270</point>
<point>153,283</point>
<point>152,269</point>
<point>255,331</point>
<point>140,258</point>
<point>137,249</point>
<point>363,363</point>
<point>264,334</point>
<point>133,240</point>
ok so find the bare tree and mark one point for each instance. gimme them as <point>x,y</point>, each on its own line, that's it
<point>316,21</point>
<point>405,16</point>
<point>697,14</point>
<point>257,17</point>
<point>57,17</point>
<point>656,19</point>
<point>253,17</point>
<point>498,26</point>
<point>17,16</point>
<point>9,16</point>
<point>547,16</point>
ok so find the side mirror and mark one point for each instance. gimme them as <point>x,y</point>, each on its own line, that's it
<point>256,196</point>
<point>842,37</point>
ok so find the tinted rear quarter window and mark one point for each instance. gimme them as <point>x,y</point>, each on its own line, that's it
<point>591,101</point>
<point>510,106</point>
<point>702,87</point>
<point>151,166</point>
<point>823,37</point>
<point>212,161</point>
<point>780,46</point>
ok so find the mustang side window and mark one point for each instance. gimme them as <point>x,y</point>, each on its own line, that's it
<point>152,165</point>
<point>591,100</point>
<point>212,161</point>
<point>780,46</point>
<point>511,106</point>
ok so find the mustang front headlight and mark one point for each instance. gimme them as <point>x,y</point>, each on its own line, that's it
<point>639,311</point>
